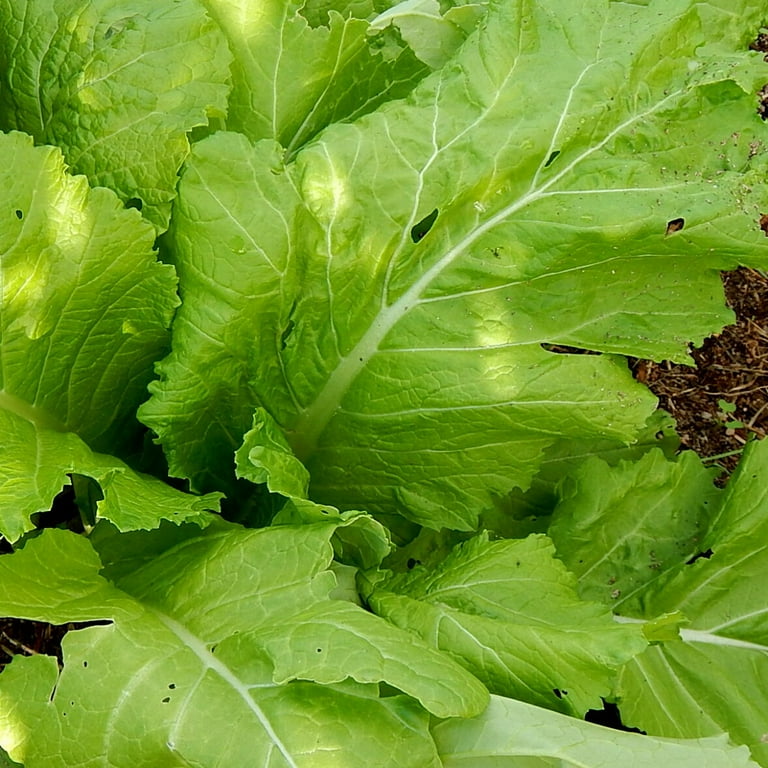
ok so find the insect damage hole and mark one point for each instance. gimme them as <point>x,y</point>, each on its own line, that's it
<point>699,556</point>
<point>674,225</point>
<point>551,159</point>
<point>420,229</point>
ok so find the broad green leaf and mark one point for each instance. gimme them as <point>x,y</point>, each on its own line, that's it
<point>116,84</point>
<point>213,378</point>
<point>540,644</point>
<point>511,734</point>
<point>707,569</point>
<point>291,79</point>
<point>224,649</point>
<point>38,463</point>
<point>85,303</point>
<point>621,528</point>
<point>386,295</point>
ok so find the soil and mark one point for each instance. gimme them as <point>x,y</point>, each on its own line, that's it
<point>722,403</point>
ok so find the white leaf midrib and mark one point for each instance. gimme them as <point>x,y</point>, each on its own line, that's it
<point>313,420</point>
<point>703,636</point>
<point>209,661</point>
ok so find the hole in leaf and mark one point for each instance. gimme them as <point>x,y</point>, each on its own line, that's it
<point>706,555</point>
<point>24,637</point>
<point>420,229</point>
<point>610,717</point>
<point>760,43</point>
<point>674,225</point>
<point>134,202</point>
<point>166,699</point>
<point>286,333</point>
<point>762,106</point>
<point>412,563</point>
<point>551,159</point>
<point>559,693</point>
<point>562,349</point>
<point>19,214</point>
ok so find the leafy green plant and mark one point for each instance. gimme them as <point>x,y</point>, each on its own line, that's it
<point>336,257</point>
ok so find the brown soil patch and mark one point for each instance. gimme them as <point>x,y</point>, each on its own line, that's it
<point>723,402</point>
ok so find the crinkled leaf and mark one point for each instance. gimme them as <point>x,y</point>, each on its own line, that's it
<point>512,734</point>
<point>266,457</point>
<point>213,377</point>
<point>200,663</point>
<point>708,571</point>
<point>38,462</point>
<point>541,644</point>
<point>117,85</point>
<point>317,12</point>
<point>524,512</point>
<point>85,303</point>
<point>621,528</point>
<point>292,79</point>
<point>404,272</point>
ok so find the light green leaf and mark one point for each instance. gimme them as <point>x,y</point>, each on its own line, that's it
<point>266,457</point>
<point>317,12</point>
<point>524,512</point>
<point>85,303</point>
<point>708,568</point>
<point>117,85</point>
<point>6,761</point>
<point>511,734</point>
<point>212,659</point>
<point>405,270</point>
<point>432,36</point>
<point>38,462</point>
<point>543,645</point>
<point>621,528</point>
<point>213,377</point>
<point>359,540</point>
<point>292,79</point>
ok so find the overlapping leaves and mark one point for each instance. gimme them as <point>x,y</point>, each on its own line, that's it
<point>226,627</point>
<point>386,294</point>
<point>696,556</point>
<point>115,85</point>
